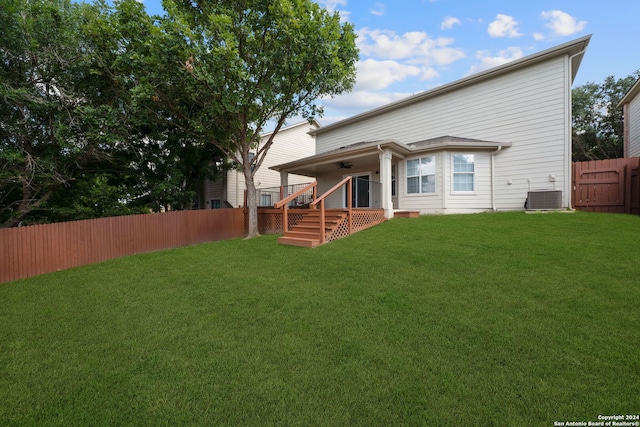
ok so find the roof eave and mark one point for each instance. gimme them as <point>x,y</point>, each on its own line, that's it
<point>575,48</point>
<point>635,89</point>
<point>487,145</point>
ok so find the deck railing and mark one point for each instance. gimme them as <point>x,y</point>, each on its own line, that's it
<point>284,203</point>
<point>268,196</point>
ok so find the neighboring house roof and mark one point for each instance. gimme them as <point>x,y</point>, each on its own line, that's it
<point>575,49</point>
<point>313,122</point>
<point>635,90</point>
<point>322,161</point>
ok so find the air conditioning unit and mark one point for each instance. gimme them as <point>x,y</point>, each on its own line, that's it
<point>544,200</point>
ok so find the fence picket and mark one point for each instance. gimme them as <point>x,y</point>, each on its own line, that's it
<point>610,185</point>
<point>32,250</point>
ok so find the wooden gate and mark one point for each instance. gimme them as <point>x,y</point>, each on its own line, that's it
<point>611,185</point>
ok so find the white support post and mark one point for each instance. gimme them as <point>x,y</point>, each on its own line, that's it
<point>385,181</point>
<point>284,181</point>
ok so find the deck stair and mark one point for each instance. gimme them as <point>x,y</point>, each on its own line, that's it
<point>318,225</point>
<point>306,231</point>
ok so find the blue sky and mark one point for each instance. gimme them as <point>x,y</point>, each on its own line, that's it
<point>409,46</point>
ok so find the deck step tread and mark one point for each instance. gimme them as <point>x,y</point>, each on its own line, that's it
<point>293,241</point>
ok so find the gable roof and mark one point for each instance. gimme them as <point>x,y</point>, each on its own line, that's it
<point>575,49</point>
<point>635,90</point>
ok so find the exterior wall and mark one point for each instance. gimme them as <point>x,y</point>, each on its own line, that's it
<point>212,190</point>
<point>527,107</point>
<point>327,181</point>
<point>633,119</point>
<point>289,144</point>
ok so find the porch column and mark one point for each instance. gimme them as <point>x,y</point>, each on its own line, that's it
<point>385,181</point>
<point>284,181</point>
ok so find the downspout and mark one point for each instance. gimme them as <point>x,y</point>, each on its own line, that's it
<point>493,179</point>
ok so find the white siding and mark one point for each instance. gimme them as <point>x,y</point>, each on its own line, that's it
<point>444,199</point>
<point>526,107</point>
<point>634,127</point>
<point>430,202</point>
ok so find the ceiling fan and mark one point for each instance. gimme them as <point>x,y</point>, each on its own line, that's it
<point>344,165</point>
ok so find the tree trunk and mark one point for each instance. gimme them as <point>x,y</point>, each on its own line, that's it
<point>252,203</point>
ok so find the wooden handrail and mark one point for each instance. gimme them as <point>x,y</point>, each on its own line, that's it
<point>322,211</point>
<point>327,193</point>
<point>289,198</point>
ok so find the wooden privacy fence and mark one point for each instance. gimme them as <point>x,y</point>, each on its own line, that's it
<point>611,185</point>
<point>39,249</point>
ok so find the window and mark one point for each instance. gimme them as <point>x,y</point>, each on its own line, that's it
<point>215,204</point>
<point>393,180</point>
<point>463,171</point>
<point>421,175</point>
<point>265,199</point>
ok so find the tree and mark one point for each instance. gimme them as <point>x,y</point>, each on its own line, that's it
<point>37,111</point>
<point>78,139</point>
<point>63,130</point>
<point>243,64</point>
<point>597,120</point>
<point>128,52</point>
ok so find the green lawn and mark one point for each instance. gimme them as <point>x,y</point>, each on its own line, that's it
<point>474,320</point>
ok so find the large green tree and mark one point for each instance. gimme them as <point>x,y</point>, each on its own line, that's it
<point>244,65</point>
<point>41,140</point>
<point>79,138</point>
<point>140,61</point>
<point>64,151</point>
<point>597,120</point>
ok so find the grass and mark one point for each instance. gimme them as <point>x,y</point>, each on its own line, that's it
<point>489,319</point>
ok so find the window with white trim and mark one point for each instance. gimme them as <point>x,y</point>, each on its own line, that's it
<point>463,172</point>
<point>421,175</point>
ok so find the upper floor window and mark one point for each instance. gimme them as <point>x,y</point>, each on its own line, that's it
<point>463,172</point>
<point>421,175</point>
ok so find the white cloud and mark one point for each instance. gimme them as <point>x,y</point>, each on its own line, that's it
<point>356,102</point>
<point>378,9</point>
<point>449,22</point>
<point>332,5</point>
<point>538,36</point>
<point>488,61</point>
<point>417,47</point>
<point>504,26</point>
<point>561,23</point>
<point>377,75</point>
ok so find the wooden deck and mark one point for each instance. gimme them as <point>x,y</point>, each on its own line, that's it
<point>305,225</point>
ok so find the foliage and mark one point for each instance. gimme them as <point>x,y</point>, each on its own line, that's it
<point>494,319</point>
<point>43,138</point>
<point>244,64</point>
<point>77,139</point>
<point>598,128</point>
